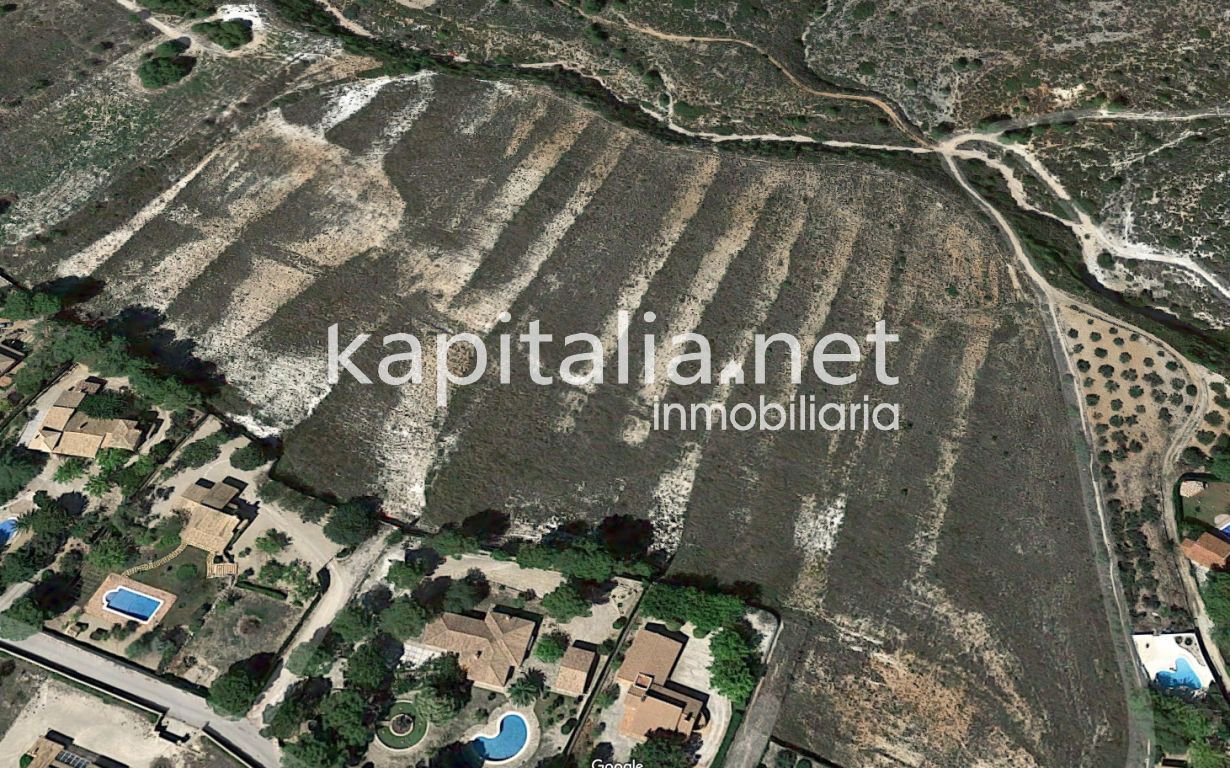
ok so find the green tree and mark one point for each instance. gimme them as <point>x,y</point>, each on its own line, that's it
<point>347,715</point>
<point>161,71</point>
<point>310,660</point>
<point>314,751</point>
<point>450,542</point>
<point>228,33</point>
<point>23,305</point>
<point>442,689</point>
<point>462,596</point>
<point>665,749</point>
<point>368,668</point>
<point>735,666</point>
<point>403,619</point>
<point>565,603</point>
<point>550,648</point>
<point>110,554</point>
<point>289,716</point>
<point>23,619</point>
<point>1203,755</point>
<point>353,523</point>
<point>71,469</point>
<point>17,468</point>
<point>104,405</point>
<point>583,559</point>
<point>98,486</point>
<point>234,692</point>
<point>354,623</point>
<point>707,611</point>
<point>272,541</point>
<point>200,452</point>
<point>248,458</point>
<point>528,688</point>
<point>1177,722</point>
<point>404,575</point>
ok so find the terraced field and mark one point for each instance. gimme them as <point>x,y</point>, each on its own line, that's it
<point>427,203</point>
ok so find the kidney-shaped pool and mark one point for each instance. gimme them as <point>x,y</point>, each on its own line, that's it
<point>507,743</point>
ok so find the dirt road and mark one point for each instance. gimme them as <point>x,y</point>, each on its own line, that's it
<point>753,736</point>
<point>344,579</point>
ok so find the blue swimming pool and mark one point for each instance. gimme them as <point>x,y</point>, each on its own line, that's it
<point>1183,676</point>
<point>7,529</point>
<point>507,743</point>
<point>131,603</point>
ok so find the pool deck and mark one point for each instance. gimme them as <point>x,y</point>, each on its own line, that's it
<point>95,608</point>
<point>1161,652</point>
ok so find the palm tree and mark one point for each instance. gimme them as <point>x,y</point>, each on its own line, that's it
<point>528,688</point>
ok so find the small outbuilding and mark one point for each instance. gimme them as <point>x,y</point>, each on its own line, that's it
<point>574,670</point>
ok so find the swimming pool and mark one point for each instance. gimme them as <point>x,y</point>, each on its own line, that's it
<point>507,743</point>
<point>1183,676</point>
<point>7,529</point>
<point>132,604</point>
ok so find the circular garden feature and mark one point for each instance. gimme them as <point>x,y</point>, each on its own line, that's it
<point>404,728</point>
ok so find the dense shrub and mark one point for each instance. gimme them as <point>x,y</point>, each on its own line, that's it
<point>353,523</point>
<point>248,458</point>
<point>707,611</point>
<point>228,33</point>
<point>550,648</point>
<point>235,691</point>
<point>189,8</point>
<point>17,468</point>
<point>736,665</point>
<point>565,603</point>
<point>161,71</point>
<point>23,305</point>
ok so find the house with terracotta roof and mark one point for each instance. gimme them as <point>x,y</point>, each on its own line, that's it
<point>211,514</point>
<point>574,670</point>
<point>67,431</point>
<point>490,649</point>
<point>1209,550</point>
<point>650,703</point>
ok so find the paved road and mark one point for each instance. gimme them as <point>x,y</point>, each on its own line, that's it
<point>83,665</point>
<point>753,735</point>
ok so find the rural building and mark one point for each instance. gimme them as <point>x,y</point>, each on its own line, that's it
<point>66,431</point>
<point>649,705</point>
<point>211,510</point>
<point>574,671</point>
<point>1208,550</point>
<point>56,750</point>
<point>651,654</point>
<point>490,649</point>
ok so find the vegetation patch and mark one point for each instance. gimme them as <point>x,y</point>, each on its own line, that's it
<point>228,33</point>
<point>166,65</point>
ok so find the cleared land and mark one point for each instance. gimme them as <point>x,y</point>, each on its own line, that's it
<point>426,203</point>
